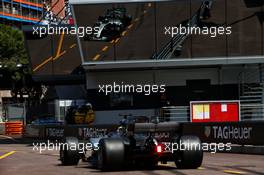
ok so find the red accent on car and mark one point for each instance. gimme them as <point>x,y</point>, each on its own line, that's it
<point>159,149</point>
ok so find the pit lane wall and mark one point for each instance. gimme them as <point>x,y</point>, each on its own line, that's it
<point>242,133</point>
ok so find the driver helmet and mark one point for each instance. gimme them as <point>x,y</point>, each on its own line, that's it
<point>89,105</point>
<point>123,122</point>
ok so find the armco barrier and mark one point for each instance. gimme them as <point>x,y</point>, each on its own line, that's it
<point>79,131</point>
<point>241,133</point>
<point>14,128</point>
<point>58,132</point>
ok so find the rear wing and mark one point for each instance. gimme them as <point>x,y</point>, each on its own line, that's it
<point>157,127</point>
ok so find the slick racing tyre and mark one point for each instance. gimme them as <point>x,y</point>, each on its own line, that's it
<point>191,156</point>
<point>67,155</point>
<point>111,154</point>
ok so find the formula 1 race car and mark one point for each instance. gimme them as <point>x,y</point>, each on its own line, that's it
<point>111,25</point>
<point>140,144</point>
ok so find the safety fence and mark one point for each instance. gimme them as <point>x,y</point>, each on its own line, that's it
<point>175,113</point>
<point>252,112</point>
<point>241,133</point>
<point>251,93</point>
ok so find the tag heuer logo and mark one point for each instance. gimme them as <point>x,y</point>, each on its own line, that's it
<point>207,131</point>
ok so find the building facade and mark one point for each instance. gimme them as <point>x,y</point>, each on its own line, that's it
<point>21,12</point>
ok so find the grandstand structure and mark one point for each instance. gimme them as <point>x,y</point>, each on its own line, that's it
<point>26,12</point>
<point>21,11</point>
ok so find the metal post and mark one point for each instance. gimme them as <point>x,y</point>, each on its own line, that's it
<point>155,28</point>
<point>1,111</point>
<point>191,39</point>
<point>24,114</point>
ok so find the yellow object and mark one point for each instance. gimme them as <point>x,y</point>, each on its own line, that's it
<point>90,116</point>
<point>79,118</point>
<point>233,172</point>
<point>84,117</point>
<point>7,154</point>
<point>201,111</point>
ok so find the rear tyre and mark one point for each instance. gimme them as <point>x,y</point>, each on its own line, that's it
<point>67,155</point>
<point>192,156</point>
<point>111,154</point>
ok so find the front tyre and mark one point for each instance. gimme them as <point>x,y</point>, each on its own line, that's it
<point>191,156</point>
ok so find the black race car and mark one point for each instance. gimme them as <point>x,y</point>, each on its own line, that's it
<point>120,14</point>
<point>111,25</point>
<point>141,144</point>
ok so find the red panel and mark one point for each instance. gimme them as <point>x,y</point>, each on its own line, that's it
<point>230,114</point>
<point>215,113</point>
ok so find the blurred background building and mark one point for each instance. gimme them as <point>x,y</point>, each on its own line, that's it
<point>21,12</point>
<point>16,13</point>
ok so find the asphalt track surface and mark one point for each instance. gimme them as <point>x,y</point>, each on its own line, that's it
<point>19,158</point>
<point>140,40</point>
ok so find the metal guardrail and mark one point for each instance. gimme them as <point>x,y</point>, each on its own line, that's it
<point>252,112</point>
<point>175,113</point>
<point>251,94</point>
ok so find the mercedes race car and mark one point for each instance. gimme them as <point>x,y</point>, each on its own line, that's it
<point>111,25</point>
<point>140,144</point>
